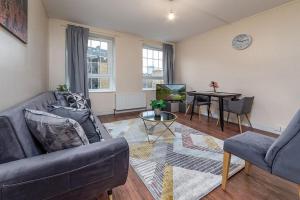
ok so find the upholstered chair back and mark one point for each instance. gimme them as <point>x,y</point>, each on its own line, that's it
<point>247,104</point>
<point>284,154</point>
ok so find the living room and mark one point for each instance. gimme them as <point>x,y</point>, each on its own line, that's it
<point>162,99</point>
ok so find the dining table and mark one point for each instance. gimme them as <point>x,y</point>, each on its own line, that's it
<point>219,95</point>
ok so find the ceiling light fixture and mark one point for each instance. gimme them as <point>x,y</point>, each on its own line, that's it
<point>171,14</point>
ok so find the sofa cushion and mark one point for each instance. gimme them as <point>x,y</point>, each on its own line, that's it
<point>10,148</point>
<point>289,133</point>
<point>61,100</point>
<point>16,117</point>
<point>250,146</point>
<point>55,132</point>
<point>104,133</point>
<point>83,117</point>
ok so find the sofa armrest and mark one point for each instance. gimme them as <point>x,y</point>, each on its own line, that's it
<point>53,174</point>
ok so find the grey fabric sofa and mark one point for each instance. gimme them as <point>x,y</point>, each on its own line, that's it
<point>28,173</point>
<point>280,156</point>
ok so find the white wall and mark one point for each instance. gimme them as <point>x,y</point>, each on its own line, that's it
<point>268,70</point>
<point>128,64</point>
<point>24,66</point>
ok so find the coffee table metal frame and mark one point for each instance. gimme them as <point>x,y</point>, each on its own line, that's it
<point>166,123</point>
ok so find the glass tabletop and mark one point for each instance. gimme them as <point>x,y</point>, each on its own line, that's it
<point>164,116</point>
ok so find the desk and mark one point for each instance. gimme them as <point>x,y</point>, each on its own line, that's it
<point>220,96</point>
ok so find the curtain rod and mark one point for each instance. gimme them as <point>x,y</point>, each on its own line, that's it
<point>94,32</point>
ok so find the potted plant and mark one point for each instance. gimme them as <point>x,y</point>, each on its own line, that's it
<point>157,105</point>
<point>62,88</point>
<point>214,85</point>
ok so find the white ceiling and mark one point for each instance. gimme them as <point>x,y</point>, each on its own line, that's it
<point>147,18</point>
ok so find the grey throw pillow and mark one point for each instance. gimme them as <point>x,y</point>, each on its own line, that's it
<point>55,132</point>
<point>83,116</point>
<point>60,97</point>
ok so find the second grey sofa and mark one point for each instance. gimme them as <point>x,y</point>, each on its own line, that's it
<point>28,173</point>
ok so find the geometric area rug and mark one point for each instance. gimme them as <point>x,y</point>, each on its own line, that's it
<point>186,166</point>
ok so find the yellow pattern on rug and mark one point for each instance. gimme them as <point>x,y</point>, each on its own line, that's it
<point>141,150</point>
<point>211,143</point>
<point>167,190</point>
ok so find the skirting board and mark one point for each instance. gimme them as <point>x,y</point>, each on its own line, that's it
<point>276,130</point>
<point>111,112</point>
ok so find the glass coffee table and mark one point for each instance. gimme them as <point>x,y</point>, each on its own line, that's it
<point>165,118</point>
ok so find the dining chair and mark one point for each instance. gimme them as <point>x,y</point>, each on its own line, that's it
<point>239,107</point>
<point>200,101</point>
<point>279,156</point>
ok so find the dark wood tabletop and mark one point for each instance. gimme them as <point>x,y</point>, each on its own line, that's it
<point>213,94</point>
<point>219,95</point>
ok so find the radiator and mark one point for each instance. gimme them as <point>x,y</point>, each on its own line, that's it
<point>130,101</point>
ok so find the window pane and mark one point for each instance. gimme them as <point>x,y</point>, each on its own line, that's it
<point>94,43</point>
<point>160,55</point>
<point>145,62</point>
<point>89,68</point>
<point>150,53</point>
<point>104,45</point>
<point>104,83</point>
<point>145,70</point>
<point>104,66</point>
<point>151,83</point>
<point>145,53</point>
<point>95,83</point>
<point>152,68</point>
<point>103,59</point>
<point>157,73</point>
<point>160,65</point>
<point>155,64</point>
<point>155,54</point>
<point>103,53</point>
<point>95,68</point>
<point>150,63</point>
<point>99,58</point>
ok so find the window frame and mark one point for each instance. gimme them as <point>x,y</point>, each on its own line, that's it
<point>110,61</point>
<point>155,48</point>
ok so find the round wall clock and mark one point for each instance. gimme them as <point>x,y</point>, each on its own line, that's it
<point>242,41</point>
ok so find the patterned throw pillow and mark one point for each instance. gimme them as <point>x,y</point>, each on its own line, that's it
<point>55,132</point>
<point>69,99</point>
<point>83,116</point>
<point>76,100</point>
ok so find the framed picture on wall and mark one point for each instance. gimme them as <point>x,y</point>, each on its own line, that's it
<point>13,17</point>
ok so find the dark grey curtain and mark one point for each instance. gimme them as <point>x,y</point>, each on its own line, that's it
<point>77,41</point>
<point>168,63</point>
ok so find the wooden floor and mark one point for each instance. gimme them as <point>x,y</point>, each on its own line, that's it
<point>260,185</point>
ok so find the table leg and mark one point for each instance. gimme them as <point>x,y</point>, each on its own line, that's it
<point>163,132</point>
<point>147,129</point>
<point>221,110</point>
<point>208,108</point>
<point>168,126</point>
<point>193,106</point>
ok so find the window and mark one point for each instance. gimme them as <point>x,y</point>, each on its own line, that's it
<point>100,64</point>
<point>152,67</point>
